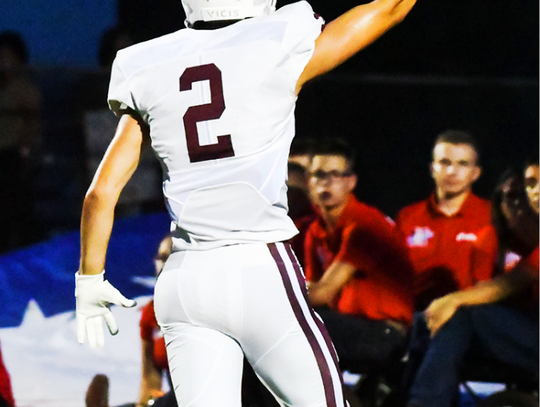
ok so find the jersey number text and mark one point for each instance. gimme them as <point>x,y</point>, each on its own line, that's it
<point>209,111</point>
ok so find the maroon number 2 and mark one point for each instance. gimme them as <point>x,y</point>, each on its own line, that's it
<point>209,111</point>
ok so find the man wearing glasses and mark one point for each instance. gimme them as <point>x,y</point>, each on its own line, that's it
<point>357,268</point>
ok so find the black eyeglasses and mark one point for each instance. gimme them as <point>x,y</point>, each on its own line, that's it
<point>321,175</point>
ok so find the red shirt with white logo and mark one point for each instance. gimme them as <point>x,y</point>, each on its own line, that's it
<point>364,237</point>
<point>442,247</point>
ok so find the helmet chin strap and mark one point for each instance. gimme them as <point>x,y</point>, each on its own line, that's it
<point>211,25</point>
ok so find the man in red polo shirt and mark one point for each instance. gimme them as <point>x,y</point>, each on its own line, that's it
<point>357,267</point>
<point>441,231</point>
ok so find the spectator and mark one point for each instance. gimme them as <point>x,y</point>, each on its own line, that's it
<point>301,210</point>
<point>20,140</point>
<point>501,245</point>
<point>301,151</point>
<point>497,318</point>
<point>297,191</point>
<point>441,231</point>
<point>154,363</point>
<point>154,355</point>
<point>357,268</point>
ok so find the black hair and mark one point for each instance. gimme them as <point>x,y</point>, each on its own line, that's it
<point>14,41</point>
<point>452,136</point>
<point>532,160</point>
<point>336,146</point>
<point>295,167</point>
<point>212,25</point>
<point>302,146</point>
<point>520,233</point>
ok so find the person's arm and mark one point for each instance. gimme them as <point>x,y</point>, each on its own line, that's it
<point>485,292</point>
<point>115,170</point>
<point>351,32</point>
<point>151,375</point>
<point>92,291</point>
<point>325,290</point>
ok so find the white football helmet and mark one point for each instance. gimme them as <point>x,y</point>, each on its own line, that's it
<point>218,10</point>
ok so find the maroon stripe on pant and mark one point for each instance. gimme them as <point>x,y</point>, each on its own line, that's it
<point>308,332</point>
<point>302,282</point>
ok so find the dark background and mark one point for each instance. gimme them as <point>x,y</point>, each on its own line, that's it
<point>438,37</point>
<point>463,64</point>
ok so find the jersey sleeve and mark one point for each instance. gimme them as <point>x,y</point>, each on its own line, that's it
<point>119,98</point>
<point>304,27</point>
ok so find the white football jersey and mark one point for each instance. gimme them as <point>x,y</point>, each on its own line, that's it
<point>220,107</point>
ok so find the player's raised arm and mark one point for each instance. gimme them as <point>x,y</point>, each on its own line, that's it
<point>351,32</point>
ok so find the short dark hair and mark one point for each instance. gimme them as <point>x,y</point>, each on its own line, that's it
<point>302,146</point>
<point>532,160</point>
<point>14,41</point>
<point>293,167</point>
<point>452,136</point>
<point>336,146</point>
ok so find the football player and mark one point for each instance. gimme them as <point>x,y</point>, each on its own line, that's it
<point>218,100</point>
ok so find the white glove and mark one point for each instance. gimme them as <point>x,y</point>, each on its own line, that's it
<point>94,294</point>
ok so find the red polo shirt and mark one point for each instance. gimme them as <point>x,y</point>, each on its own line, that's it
<point>150,332</point>
<point>365,238</point>
<point>442,247</point>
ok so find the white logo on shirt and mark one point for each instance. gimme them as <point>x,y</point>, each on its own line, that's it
<point>511,260</point>
<point>420,237</point>
<point>466,237</point>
